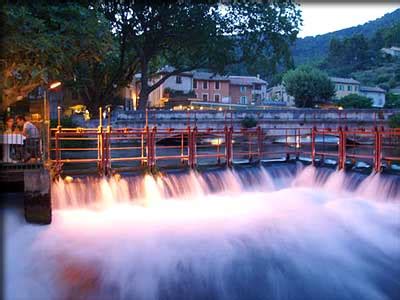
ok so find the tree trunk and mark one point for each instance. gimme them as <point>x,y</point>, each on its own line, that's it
<point>144,85</point>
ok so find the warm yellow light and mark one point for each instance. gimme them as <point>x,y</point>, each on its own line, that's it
<point>216,142</point>
<point>220,109</point>
<point>54,85</point>
<point>68,179</point>
<point>201,107</point>
<point>340,108</point>
<point>192,107</point>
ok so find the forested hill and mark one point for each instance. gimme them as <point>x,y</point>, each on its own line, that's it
<point>313,48</point>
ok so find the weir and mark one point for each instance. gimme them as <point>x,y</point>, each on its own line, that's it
<point>109,150</point>
<point>280,232</point>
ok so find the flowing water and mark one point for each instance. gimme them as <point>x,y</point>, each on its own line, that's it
<point>283,232</point>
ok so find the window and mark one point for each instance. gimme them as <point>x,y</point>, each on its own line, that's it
<point>243,100</point>
<point>194,83</point>
<point>217,85</point>
<point>205,97</point>
<point>356,88</point>
<point>341,87</point>
<point>257,87</point>
<point>349,88</point>
<point>216,97</point>
<point>242,89</point>
<point>178,79</point>
<point>205,85</point>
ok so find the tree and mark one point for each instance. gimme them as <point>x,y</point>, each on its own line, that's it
<point>43,44</point>
<point>355,101</point>
<point>187,36</point>
<point>392,101</point>
<point>308,86</point>
<point>394,121</point>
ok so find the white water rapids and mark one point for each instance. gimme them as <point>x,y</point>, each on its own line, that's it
<point>247,234</point>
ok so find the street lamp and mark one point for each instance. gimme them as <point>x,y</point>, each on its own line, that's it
<point>46,119</point>
<point>46,106</point>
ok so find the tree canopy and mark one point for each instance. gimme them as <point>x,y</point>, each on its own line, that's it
<point>49,42</point>
<point>187,35</point>
<point>309,86</point>
<point>96,47</point>
<point>392,101</point>
<point>355,101</point>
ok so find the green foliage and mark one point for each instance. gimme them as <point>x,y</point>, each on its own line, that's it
<point>249,122</point>
<point>355,101</point>
<point>394,121</point>
<point>308,86</point>
<point>392,101</point>
<point>200,35</point>
<point>66,122</point>
<point>347,55</point>
<point>46,42</point>
<point>310,49</point>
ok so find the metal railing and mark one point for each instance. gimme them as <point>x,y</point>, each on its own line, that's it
<point>105,149</point>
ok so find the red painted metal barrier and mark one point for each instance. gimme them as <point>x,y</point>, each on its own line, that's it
<point>108,149</point>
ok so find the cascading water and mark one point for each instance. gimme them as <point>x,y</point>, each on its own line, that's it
<point>274,233</point>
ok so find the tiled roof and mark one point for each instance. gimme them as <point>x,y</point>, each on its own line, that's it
<point>344,80</point>
<point>245,80</point>
<point>371,89</point>
<point>208,76</point>
<point>169,69</point>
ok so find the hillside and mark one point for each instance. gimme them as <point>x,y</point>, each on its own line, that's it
<point>314,48</point>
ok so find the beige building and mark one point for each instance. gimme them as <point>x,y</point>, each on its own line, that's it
<point>345,86</point>
<point>279,94</point>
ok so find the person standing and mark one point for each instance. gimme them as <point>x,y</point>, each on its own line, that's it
<point>32,136</point>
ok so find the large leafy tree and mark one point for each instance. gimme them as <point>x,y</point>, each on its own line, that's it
<point>188,35</point>
<point>308,86</point>
<point>355,101</point>
<point>60,41</point>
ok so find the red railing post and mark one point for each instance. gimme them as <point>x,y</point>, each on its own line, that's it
<point>378,150</point>
<point>260,142</point>
<point>106,151</point>
<point>192,147</point>
<point>313,150</point>
<point>153,148</point>
<point>342,149</point>
<point>228,145</point>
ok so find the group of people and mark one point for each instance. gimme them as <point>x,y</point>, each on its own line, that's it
<point>30,149</point>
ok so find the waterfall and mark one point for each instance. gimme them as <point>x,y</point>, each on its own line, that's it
<point>283,232</point>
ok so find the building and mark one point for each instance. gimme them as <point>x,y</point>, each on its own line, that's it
<point>210,87</point>
<point>278,94</point>
<point>375,93</point>
<point>345,86</point>
<point>247,90</point>
<point>392,51</point>
<point>199,88</point>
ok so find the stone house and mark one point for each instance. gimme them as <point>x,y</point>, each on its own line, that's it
<point>247,90</point>
<point>210,87</point>
<point>375,93</point>
<point>345,86</point>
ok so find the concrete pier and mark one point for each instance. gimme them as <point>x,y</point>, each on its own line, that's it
<point>37,196</point>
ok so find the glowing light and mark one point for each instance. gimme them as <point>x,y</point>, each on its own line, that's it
<point>55,85</point>
<point>216,142</point>
<point>68,179</point>
<point>201,107</point>
<point>340,108</point>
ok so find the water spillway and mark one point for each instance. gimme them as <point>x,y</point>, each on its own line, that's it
<point>284,232</point>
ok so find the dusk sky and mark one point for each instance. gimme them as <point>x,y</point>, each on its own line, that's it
<point>320,18</point>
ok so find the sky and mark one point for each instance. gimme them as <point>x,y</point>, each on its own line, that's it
<point>320,18</point>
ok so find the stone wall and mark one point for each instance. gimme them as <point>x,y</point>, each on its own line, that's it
<point>275,118</point>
